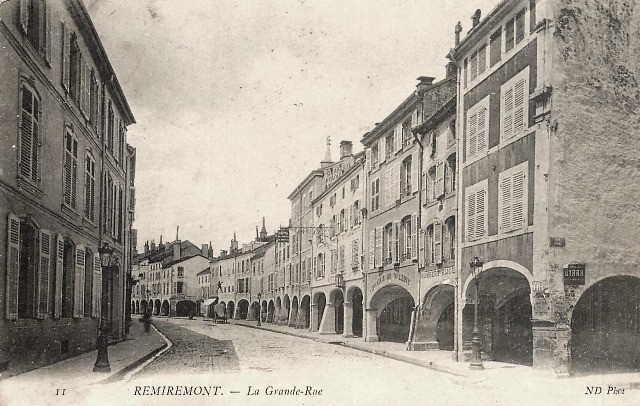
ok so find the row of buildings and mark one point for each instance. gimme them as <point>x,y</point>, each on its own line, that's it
<point>67,191</point>
<point>499,201</point>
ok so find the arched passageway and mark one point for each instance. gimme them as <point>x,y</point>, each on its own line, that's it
<point>165,308</point>
<point>293,319</point>
<point>254,311</point>
<point>156,307</point>
<point>321,302</point>
<point>243,309</point>
<point>504,316</point>
<point>231,307</point>
<point>356,300</point>
<point>605,327</point>
<point>278,315</point>
<point>184,308</point>
<point>435,328</point>
<point>337,298</point>
<point>393,306</point>
<point>271,308</point>
<point>263,311</point>
<point>305,312</point>
<point>286,311</point>
<point>143,306</point>
<point>137,307</point>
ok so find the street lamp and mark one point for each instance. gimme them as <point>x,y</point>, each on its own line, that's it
<point>476,356</point>
<point>102,362</point>
<point>259,309</point>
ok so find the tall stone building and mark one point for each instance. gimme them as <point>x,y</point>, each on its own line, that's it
<point>548,106</point>
<point>64,185</point>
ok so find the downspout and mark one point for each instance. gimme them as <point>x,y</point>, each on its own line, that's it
<point>363,227</point>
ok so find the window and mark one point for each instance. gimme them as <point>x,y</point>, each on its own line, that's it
<point>388,243</point>
<point>473,66</point>
<point>332,200</point>
<point>375,195</point>
<point>35,22</point>
<point>355,215</point>
<point>355,255</point>
<point>482,59</point>
<point>121,146</point>
<point>319,210</point>
<point>405,177</point>
<point>514,108</point>
<point>179,287</point>
<point>110,124</point>
<point>29,165</point>
<point>450,174</point>
<point>514,31</point>
<point>70,172</point>
<point>512,198</point>
<point>355,183</point>
<point>342,226</point>
<point>431,183</point>
<point>390,146</point>
<point>476,211</point>
<point>450,239</point>
<point>407,139</point>
<point>374,155</point>
<point>477,128</point>
<point>343,192</point>
<point>429,255</point>
<point>341,255</point>
<point>495,47</point>
<point>89,187</point>
<point>406,238</point>
<point>180,272</point>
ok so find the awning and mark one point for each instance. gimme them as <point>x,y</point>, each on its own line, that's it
<point>209,301</point>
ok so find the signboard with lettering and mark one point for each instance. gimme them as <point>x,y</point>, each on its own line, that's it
<point>393,277</point>
<point>574,274</point>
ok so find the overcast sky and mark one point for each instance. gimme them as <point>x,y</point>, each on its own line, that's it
<point>234,99</point>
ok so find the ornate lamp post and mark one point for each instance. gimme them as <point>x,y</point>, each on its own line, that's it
<point>259,309</point>
<point>102,362</point>
<point>476,356</point>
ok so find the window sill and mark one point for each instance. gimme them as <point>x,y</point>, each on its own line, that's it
<point>69,211</point>
<point>88,224</point>
<point>29,186</point>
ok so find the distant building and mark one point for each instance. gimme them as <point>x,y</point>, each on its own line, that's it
<point>64,185</point>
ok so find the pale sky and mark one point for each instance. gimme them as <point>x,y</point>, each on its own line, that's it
<point>234,99</point>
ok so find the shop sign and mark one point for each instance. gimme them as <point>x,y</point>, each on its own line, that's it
<point>574,274</point>
<point>434,273</point>
<point>390,277</point>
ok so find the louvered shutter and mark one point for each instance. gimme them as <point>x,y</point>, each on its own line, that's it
<point>57,308</point>
<point>378,255</point>
<point>388,186</point>
<point>68,168</point>
<point>372,249</point>
<point>402,241</point>
<point>341,258</point>
<point>481,139</point>
<point>505,203</point>
<point>424,188</point>
<point>480,213</point>
<point>47,32</point>
<point>13,266</point>
<point>414,236</point>
<point>472,135</point>
<point>382,148</point>
<point>517,200</point>
<point>24,15</point>
<point>397,137</point>
<point>44,267</point>
<point>507,119</point>
<point>446,242</point>
<point>78,282</point>
<point>395,251</point>
<point>471,216</point>
<point>66,57</point>
<point>439,179</point>
<point>396,183</point>
<point>355,255</point>
<point>519,107</point>
<point>368,156</point>
<point>415,171</point>
<point>74,175</point>
<point>437,242</point>
<point>87,90</point>
<point>421,248</point>
<point>27,126</point>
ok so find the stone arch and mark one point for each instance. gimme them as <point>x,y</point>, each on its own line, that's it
<point>319,304</point>
<point>305,312</point>
<point>278,315</point>
<point>393,305</point>
<point>263,311</point>
<point>435,321</point>
<point>271,308</point>
<point>133,307</point>
<point>354,312</point>
<point>231,308</point>
<point>143,306</point>
<point>501,263</point>
<point>293,318</point>
<point>286,309</point>
<point>156,307</point>
<point>165,308</point>
<point>334,323</point>
<point>243,309</point>
<point>184,308</point>
<point>254,311</point>
<point>604,327</point>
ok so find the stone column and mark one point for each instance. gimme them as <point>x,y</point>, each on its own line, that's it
<point>314,318</point>
<point>328,323</point>
<point>348,320</point>
<point>372,330</point>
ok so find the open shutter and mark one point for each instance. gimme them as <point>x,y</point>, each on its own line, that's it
<point>414,236</point>
<point>507,119</point>
<point>47,32</point>
<point>43,273</point>
<point>372,249</point>
<point>57,308</point>
<point>518,201</point>
<point>396,183</point>
<point>472,136</point>
<point>421,248</point>
<point>78,283</point>
<point>24,15</point>
<point>395,251</point>
<point>66,57</point>
<point>382,148</point>
<point>415,171</point>
<point>480,213</point>
<point>424,188</point>
<point>378,255</point>
<point>446,242</point>
<point>439,179</point>
<point>355,255</point>
<point>397,137</point>
<point>13,266</point>
<point>368,160</point>
<point>519,107</point>
<point>482,130</point>
<point>437,242</point>
<point>505,204</point>
<point>402,241</point>
<point>341,259</point>
<point>471,216</point>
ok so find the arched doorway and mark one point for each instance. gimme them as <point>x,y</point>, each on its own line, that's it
<point>278,316</point>
<point>294,312</point>
<point>185,307</point>
<point>305,311</point>
<point>243,309</point>
<point>133,307</point>
<point>357,313</point>
<point>337,298</point>
<point>137,307</point>
<point>271,308</point>
<point>504,316</point>
<point>287,309</point>
<point>156,307</point>
<point>605,327</point>
<point>143,306</point>
<point>434,327</point>
<point>395,305</point>
<point>254,312</point>
<point>231,307</point>
<point>165,308</point>
<point>321,303</point>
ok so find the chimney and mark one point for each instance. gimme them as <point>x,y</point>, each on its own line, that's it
<point>177,249</point>
<point>153,245</point>
<point>327,156</point>
<point>146,247</point>
<point>223,253</point>
<point>210,250</point>
<point>263,232</point>
<point>451,69</point>
<point>257,234</point>
<point>425,81</point>
<point>234,243</point>
<point>475,18</point>
<point>458,31</point>
<point>205,251</point>
<point>346,149</point>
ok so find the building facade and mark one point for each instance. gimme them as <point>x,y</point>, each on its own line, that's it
<point>64,183</point>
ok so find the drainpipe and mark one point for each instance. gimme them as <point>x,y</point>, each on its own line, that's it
<point>365,271</point>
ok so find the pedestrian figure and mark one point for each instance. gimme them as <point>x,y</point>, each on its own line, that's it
<point>191,314</point>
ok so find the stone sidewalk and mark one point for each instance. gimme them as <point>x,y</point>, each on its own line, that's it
<point>77,371</point>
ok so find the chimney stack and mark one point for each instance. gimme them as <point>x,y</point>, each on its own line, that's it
<point>205,250</point>
<point>177,250</point>
<point>234,243</point>
<point>475,19</point>
<point>153,245</point>
<point>327,156</point>
<point>263,232</point>
<point>425,81</point>
<point>451,69</point>
<point>346,149</point>
<point>146,247</point>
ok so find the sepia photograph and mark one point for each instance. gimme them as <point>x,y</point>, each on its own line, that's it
<point>299,202</point>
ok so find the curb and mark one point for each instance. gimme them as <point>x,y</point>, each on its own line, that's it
<point>382,353</point>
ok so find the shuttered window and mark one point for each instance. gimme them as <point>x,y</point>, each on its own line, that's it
<point>29,135</point>
<point>476,211</point>
<point>515,105</point>
<point>44,270</point>
<point>35,22</point>
<point>59,266</point>
<point>355,255</point>
<point>372,249</point>
<point>422,252</point>
<point>477,129</point>
<point>78,282</point>
<point>13,266</point>
<point>70,170</point>
<point>512,198</point>
<point>89,187</point>
<point>437,242</point>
